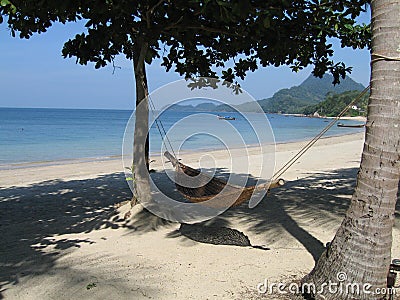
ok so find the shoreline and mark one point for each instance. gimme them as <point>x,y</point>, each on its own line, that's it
<point>46,163</point>
<point>356,118</point>
<point>77,169</point>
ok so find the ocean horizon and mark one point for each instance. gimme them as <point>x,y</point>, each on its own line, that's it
<point>29,135</point>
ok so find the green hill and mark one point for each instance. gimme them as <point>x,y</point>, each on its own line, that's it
<point>334,104</point>
<point>291,100</point>
<point>312,91</point>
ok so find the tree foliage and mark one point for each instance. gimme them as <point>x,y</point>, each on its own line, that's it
<point>196,37</point>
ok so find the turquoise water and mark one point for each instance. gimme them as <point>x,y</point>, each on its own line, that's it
<point>33,135</point>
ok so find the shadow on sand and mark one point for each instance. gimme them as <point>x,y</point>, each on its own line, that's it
<point>31,217</point>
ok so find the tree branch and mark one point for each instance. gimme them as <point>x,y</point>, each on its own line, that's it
<point>175,24</point>
<point>151,10</point>
<point>114,66</point>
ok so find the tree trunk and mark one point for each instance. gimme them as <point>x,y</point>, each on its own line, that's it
<point>362,245</point>
<point>141,141</point>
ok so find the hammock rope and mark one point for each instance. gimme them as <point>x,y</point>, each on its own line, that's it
<point>159,124</point>
<point>378,57</point>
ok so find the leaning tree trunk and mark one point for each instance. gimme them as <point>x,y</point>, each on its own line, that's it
<point>141,141</point>
<point>362,245</point>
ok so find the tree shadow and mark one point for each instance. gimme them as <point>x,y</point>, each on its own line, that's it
<point>319,200</point>
<point>32,217</point>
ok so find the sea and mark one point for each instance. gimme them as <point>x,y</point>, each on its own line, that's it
<point>31,135</point>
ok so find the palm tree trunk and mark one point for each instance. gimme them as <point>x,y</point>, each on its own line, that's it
<point>362,245</point>
<point>141,141</point>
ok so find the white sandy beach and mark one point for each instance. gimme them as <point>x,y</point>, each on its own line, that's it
<point>63,235</point>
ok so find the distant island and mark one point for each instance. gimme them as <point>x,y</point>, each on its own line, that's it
<point>312,95</point>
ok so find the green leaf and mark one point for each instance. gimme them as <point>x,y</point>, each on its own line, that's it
<point>336,26</point>
<point>13,9</point>
<point>4,2</point>
<point>348,26</point>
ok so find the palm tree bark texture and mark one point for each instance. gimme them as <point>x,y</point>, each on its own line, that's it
<point>361,249</point>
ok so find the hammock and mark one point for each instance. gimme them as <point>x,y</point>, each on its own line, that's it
<point>208,187</point>
<point>198,187</point>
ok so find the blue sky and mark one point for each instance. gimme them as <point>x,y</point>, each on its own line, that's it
<point>34,74</point>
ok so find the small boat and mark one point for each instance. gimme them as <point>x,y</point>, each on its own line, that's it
<point>226,118</point>
<point>351,125</point>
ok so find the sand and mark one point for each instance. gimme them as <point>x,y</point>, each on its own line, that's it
<point>64,236</point>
